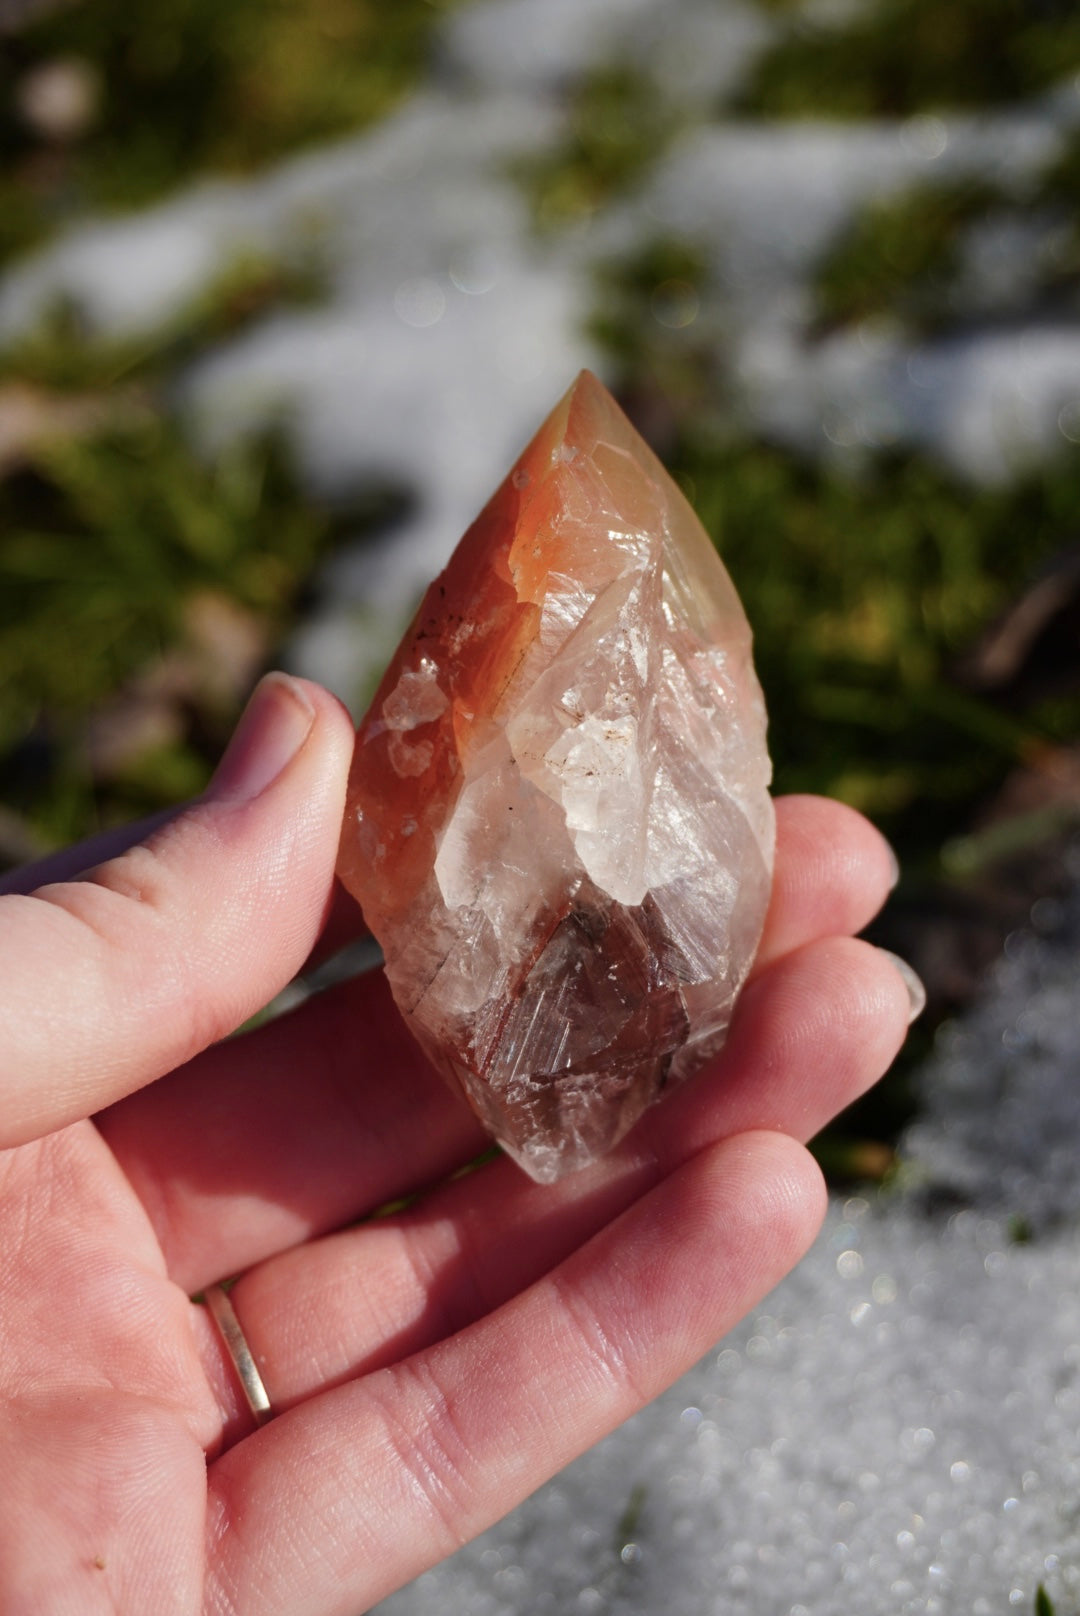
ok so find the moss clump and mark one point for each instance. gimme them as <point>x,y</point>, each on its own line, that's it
<point>900,57</point>
<point>901,256</point>
<point>864,593</point>
<point>617,125</point>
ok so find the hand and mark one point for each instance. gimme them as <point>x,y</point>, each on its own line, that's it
<point>429,1369</point>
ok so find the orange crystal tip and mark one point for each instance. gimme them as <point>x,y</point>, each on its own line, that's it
<point>562,777</point>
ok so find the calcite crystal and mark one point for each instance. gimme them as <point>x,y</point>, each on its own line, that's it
<point>558,822</point>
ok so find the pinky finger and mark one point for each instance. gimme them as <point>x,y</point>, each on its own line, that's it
<point>349,1496</point>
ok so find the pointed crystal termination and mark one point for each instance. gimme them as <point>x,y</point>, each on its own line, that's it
<point>558,822</point>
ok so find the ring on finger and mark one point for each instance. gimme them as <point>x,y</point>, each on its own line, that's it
<point>224,1316</point>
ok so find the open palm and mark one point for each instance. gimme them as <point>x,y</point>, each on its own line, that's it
<point>427,1370</point>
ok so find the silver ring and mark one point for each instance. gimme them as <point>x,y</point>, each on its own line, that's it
<point>251,1382</point>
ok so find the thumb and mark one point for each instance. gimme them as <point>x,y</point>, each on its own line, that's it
<point>111,980</point>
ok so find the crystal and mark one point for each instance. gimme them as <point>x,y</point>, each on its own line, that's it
<point>558,823</point>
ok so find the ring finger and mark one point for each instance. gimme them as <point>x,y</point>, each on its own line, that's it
<point>811,1033</point>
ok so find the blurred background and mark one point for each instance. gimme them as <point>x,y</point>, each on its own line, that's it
<point>285,286</point>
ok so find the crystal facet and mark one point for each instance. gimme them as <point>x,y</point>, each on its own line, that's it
<point>558,822</point>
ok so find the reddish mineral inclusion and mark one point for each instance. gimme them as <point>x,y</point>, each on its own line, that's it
<point>558,821</point>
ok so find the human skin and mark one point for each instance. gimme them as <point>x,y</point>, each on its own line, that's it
<point>427,1370</point>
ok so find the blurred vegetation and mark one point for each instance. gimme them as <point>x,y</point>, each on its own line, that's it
<point>113,551</point>
<point>64,354</point>
<point>903,572</point>
<point>107,104</point>
<point>906,258</point>
<point>902,256</point>
<point>617,125</point>
<point>894,58</point>
<point>144,582</point>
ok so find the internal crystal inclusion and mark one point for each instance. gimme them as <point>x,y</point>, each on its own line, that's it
<point>558,821</point>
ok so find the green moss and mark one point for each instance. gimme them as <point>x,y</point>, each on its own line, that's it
<point>901,254</point>
<point>641,300</point>
<point>899,57</point>
<point>900,257</point>
<point>106,543</point>
<point>617,126</point>
<point>863,592</point>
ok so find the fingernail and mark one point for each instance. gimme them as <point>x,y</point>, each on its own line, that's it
<point>915,991</point>
<point>894,868</point>
<point>273,727</point>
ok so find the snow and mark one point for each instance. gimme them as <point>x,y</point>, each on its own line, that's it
<point>694,48</point>
<point>530,45</point>
<point>768,202</point>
